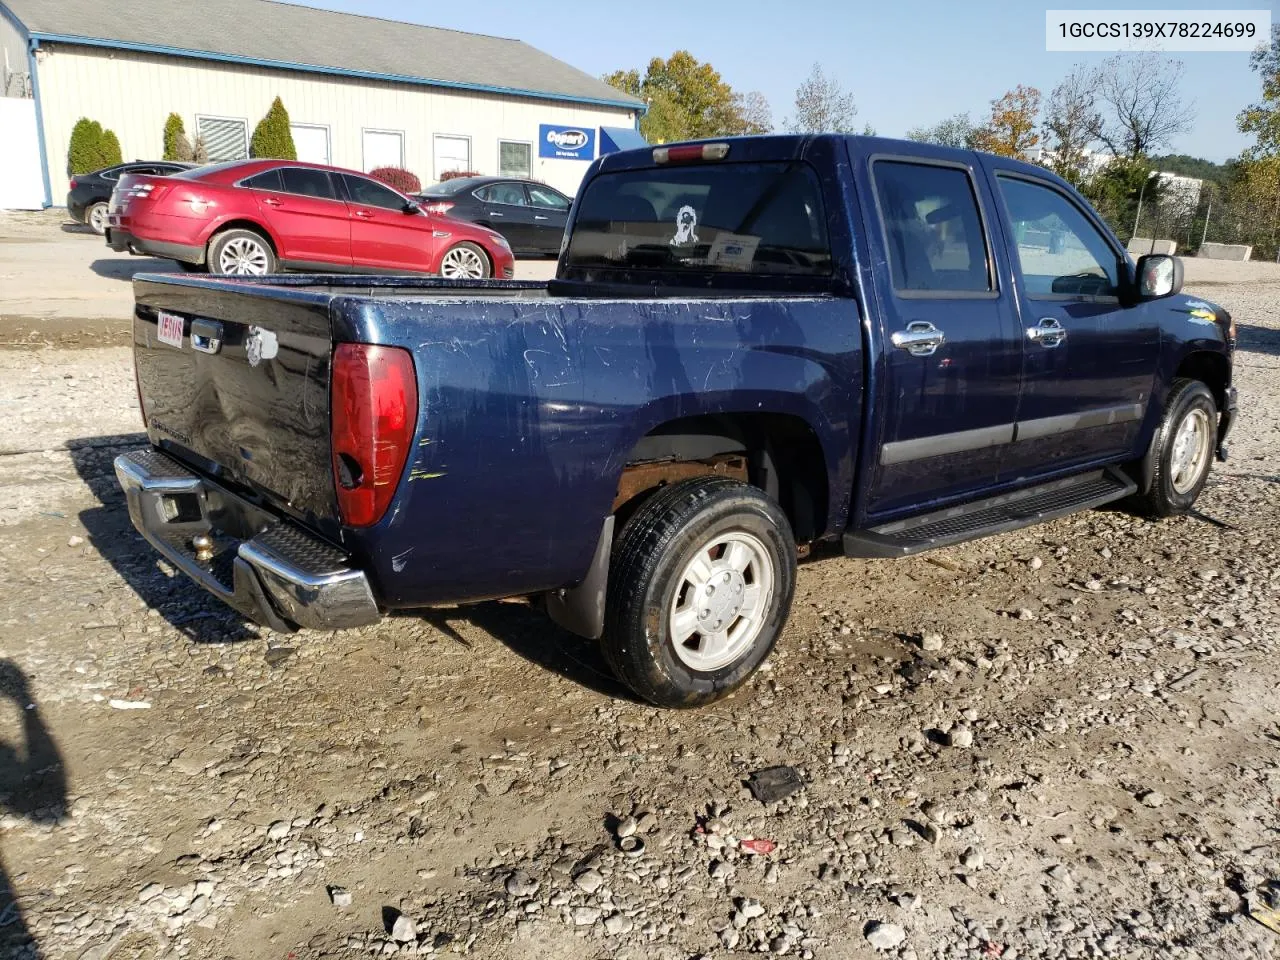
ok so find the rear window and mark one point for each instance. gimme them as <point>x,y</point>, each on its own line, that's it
<point>758,218</point>
<point>450,187</point>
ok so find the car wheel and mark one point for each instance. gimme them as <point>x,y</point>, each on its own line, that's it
<point>96,218</point>
<point>700,585</point>
<point>241,253</point>
<point>465,261</point>
<point>1182,452</point>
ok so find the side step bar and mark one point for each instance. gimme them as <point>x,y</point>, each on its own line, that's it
<point>1009,511</point>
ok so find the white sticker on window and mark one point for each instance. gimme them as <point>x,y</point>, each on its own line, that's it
<point>686,221</point>
<point>733,250</point>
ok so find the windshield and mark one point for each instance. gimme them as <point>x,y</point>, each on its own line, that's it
<point>759,218</point>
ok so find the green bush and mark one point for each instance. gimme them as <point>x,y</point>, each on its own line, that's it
<point>91,148</point>
<point>175,138</point>
<point>272,139</point>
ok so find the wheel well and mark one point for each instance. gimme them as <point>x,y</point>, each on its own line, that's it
<point>1211,369</point>
<point>779,453</point>
<point>249,225</point>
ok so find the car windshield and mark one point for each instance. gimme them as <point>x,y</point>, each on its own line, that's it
<point>451,187</point>
<point>758,218</point>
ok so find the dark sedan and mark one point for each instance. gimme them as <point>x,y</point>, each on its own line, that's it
<point>90,192</point>
<point>529,214</point>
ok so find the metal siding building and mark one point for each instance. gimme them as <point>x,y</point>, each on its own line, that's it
<point>360,92</point>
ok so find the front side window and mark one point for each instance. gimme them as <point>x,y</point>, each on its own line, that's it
<point>1061,253</point>
<point>308,183</point>
<point>371,194</point>
<point>932,228</point>
<point>547,198</point>
<point>757,218</point>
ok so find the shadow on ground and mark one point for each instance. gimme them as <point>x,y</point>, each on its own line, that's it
<point>33,786</point>
<point>1253,339</point>
<point>71,226</point>
<point>121,269</point>
<point>530,633</point>
<point>202,617</point>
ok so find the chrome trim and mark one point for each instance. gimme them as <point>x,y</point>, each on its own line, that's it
<point>282,577</point>
<point>1048,333</point>
<point>206,335</point>
<point>903,451</point>
<point>920,339</point>
<point>1065,423</point>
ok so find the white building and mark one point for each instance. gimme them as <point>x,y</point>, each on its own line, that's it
<point>360,92</point>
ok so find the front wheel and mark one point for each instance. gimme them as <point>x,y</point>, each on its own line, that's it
<point>465,261</point>
<point>1182,451</point>
<point>240,253</point>
<point>700,585</point>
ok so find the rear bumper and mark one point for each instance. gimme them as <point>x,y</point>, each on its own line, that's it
<point>260,565</point>
<point>122,240</point>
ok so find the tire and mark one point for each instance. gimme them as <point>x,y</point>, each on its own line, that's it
<point>465,261</point>
<point>1179,471</point>
<point>96,218</point>
<point>652,581</point>
<point>240,252</point>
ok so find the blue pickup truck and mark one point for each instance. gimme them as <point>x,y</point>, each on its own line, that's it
<point>751,347</point>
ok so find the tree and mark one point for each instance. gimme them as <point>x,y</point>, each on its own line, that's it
<point>1011,131</point>
<point>91,147</point>
<point>1139,103</point>
<point>822,106</point>
<point>175,139</point>
<point>1262,119</point>
<point>756,112</point>
<point>272,138</point>
<point>687,100</point>
<point>955,131</point>
<point>1116,189</point>
<point>1071,124</point>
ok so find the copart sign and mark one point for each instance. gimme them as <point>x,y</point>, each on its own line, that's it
<point>566,143</point>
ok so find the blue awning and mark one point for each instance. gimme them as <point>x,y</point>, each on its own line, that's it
<point>613,139</point>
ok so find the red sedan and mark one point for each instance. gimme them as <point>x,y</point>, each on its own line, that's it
<point>261,216</point>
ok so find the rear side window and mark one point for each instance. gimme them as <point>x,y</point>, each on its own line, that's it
<point>308,183</point>
<point>932,229</point>
<point>368,193</point>
<point>758,218</point>
<point>268,180</point>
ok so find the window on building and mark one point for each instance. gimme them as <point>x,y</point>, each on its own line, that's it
<point>311,140</point>
<point>933,228</point>
<point>363,191</point>
<point>308,183</point>
<point>451,154</point>
<point>383,148</point>
<point>515,159</point>
<point>224,138</point>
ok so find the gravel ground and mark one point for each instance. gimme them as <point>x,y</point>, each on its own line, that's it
<point>1069,750</point>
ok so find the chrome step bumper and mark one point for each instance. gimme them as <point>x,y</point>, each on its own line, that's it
<point>256,563</point>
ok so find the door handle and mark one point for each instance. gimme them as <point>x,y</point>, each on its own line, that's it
<point>920,339</point>
<point>538,217</point>
<point>495,213</point>
<point>1048,333</point>
<point>271,201</point>
<point>364,214</point>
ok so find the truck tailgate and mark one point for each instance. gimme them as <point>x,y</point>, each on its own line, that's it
<point>234,380</point>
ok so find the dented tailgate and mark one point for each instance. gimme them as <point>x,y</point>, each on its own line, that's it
<point>234,379</point>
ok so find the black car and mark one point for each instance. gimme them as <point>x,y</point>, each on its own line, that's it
<point>529,214</point>
<point>87,199</point>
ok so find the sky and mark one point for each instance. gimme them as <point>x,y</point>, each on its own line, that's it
<point>907,63</point>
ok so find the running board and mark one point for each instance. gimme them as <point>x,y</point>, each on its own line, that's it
<point>1009,511</point>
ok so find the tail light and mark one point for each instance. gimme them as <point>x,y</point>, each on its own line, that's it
<point>73,183</point>
<point>374,405</point>
<point>439,208</point>
<point>147,191</point>
<point>690,153</point>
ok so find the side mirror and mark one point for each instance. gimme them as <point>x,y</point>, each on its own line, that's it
<point>1159,276</point>
<point>412,207</point>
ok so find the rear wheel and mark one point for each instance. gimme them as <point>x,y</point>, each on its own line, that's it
<point>1182,451</point>
<point>700,585</point>
<point>240,253</point>
<point>465,261</point>
<point>96,218</point>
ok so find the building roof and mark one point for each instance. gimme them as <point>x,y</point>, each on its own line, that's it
<point>288,36</point>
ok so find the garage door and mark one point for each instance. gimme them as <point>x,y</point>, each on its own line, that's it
<point>452,154</point>
<point>383,148</point>
<point>312,142</point>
